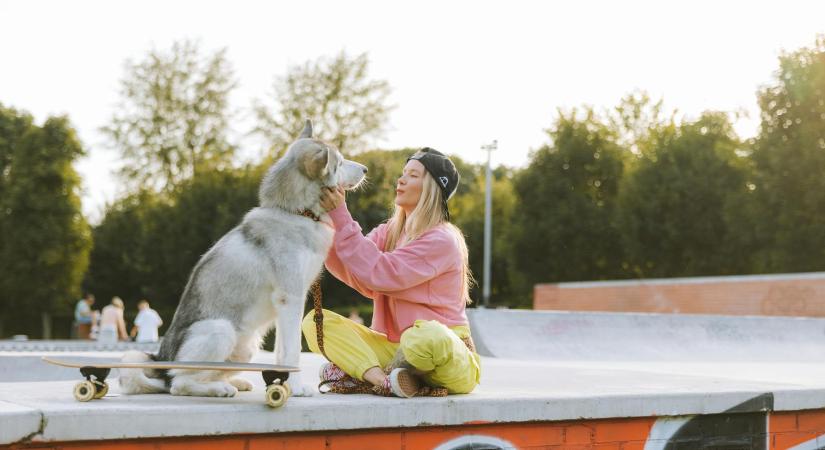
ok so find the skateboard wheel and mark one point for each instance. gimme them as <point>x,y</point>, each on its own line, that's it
<point>276,395</point>
<point>84,391</point>
<point>288,389</point>
<point>101,390</point>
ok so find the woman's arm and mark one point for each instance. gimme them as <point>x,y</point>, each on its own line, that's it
<point>416,262</point>
<point>337,268</point>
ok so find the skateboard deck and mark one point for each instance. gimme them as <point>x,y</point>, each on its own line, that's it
<point>95,370</point>
<point>114,363</point>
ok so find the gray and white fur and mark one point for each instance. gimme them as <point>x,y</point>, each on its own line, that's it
<point>255,277</point>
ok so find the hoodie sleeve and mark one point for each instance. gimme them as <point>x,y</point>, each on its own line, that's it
<point>372,269</point>
<point>338,269</point>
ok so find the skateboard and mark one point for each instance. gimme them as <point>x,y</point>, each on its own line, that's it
<point>95,370</point>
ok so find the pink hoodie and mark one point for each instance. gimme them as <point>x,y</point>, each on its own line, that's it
<point>420,280</point>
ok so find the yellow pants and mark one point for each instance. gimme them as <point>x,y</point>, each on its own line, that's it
<point>428,345</point>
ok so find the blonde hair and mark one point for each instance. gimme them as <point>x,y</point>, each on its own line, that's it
<point>117,302</point>
<point>428,213</point>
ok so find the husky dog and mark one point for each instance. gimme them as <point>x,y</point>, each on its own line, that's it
<point>254,277</point>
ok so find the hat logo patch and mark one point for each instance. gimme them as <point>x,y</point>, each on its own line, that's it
<point>443,181</point>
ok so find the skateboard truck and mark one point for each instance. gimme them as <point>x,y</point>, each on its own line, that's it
<point>277,391</point>
<point>94,387</point>
<point>100,374</point>
<point>270,376</point>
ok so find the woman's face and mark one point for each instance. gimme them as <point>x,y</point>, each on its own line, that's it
<point>409,186</point>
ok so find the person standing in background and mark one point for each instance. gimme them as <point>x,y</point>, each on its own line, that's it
<point>83,316</point>
<point>112,325</point>
<point>147,323</point>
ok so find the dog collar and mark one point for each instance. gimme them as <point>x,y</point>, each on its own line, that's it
<point>310,214</point>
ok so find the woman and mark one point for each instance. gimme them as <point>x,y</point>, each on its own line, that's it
<point>414,267</point>
<point>112,325</point>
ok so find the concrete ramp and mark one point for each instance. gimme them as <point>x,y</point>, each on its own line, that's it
<point>594,336</point>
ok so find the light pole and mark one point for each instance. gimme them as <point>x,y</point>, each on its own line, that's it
<point>488,223</point>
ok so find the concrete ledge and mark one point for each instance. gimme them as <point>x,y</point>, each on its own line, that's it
<point>18,423</point>
<point>513,390</point>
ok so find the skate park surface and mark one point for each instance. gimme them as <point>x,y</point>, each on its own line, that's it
<point>550,379</point>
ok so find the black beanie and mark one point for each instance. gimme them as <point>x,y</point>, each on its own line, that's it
<point>442,170</point>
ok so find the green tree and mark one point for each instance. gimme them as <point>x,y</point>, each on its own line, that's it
<point>118,264</point>
<point>467,209</point>
<point>348,107</point>
<point>173,119</point>
<point>46,241</point>
<point>205,209</point>
<point>789,159</point>
<point>676,206</point>
<point>148,244</point>
<point>564,218</point>
<point>640,124</point>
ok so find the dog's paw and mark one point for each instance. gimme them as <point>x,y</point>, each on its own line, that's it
<point>301,390</point>
<point>241,384</point>
<point>214,389</point>
<point>222,390</point>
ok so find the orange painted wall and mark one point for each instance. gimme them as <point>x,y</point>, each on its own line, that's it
<point>789,429</point>
<point>776,297</point>
<point>575,434</point>
<point>785,430</point>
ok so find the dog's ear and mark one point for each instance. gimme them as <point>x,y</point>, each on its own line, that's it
<point>307,133</point>
<point>316,166</point>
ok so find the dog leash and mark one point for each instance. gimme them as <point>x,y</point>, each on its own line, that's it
<point>319,316</point>
<point>316,294</point>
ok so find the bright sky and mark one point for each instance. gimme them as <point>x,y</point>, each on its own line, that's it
<point>463,72</point>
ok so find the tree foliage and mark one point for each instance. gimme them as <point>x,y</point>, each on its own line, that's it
<point>566,199</point>
<point>147,244</point>
<point>789,159</point>
<point>348,107</point>
<point>45,240</point>
<point>173,118</point>
<point>641,123</point>
<point>467,209</point>
<point>676,207</point>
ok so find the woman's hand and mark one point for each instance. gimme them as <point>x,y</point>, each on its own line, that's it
<point>332,198</point>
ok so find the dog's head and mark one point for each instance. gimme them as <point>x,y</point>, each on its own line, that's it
<point>294,182</point>
<point>323,163</point>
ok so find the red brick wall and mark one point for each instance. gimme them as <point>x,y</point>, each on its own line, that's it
<point>771,295</point>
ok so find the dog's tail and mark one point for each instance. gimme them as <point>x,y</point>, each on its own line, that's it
<point>140,381</point>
